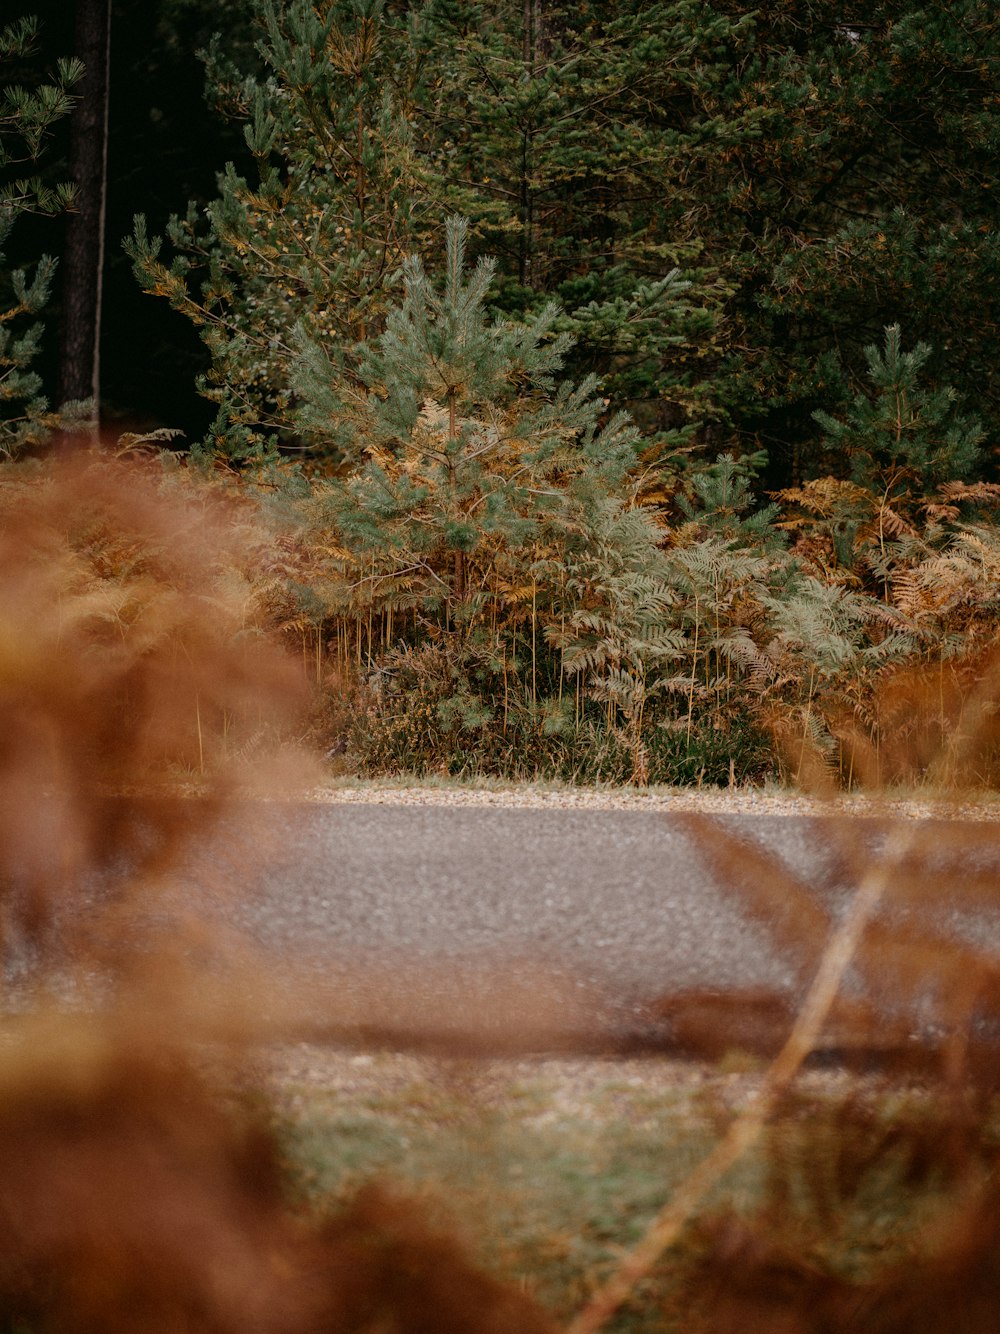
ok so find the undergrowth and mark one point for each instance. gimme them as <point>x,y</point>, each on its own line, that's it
<point>437,711</point>
<point>512,582</point>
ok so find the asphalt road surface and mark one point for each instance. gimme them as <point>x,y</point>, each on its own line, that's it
<point>541,928</point>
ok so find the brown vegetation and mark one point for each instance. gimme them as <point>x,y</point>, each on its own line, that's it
<point>141,1190</point>
<point>135,1193</point>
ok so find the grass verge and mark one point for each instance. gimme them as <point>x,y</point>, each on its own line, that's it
<point>550,1170</point>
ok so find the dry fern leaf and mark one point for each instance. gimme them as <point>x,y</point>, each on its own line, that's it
<point>825,497</point>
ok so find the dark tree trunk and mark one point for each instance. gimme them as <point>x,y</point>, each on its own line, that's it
<point>83,260</point>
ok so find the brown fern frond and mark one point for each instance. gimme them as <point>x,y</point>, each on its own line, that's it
<point>889,522</point>
<point>939,512</point>
<point>771,894</point>
<point>987,493</point>
<point>125,662</point>
<point>912,594</point>
<point>825,497</point>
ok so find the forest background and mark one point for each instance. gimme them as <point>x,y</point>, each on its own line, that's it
<point>611,389</point>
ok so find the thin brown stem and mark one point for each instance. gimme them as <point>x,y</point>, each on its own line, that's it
<point>746,1130</point>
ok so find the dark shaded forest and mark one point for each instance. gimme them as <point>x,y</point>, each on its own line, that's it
<point>811,180</point>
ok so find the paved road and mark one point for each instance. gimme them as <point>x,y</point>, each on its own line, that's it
<point>538,927</point>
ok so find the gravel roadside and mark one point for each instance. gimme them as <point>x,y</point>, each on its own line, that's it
<point>304,1078</point>
<point>709,801</point>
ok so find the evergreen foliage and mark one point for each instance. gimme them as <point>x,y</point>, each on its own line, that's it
<point>728,206</point>
<point>27,114</point>
<point>701,217</point>
<point>466,445</point>
<point>832,221</point>
<point>315,241</point>
<point>556,130</point>
<point>902,436</point>
<point>721,499</point>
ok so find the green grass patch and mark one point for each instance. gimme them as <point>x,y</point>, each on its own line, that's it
<point>549,1182</point>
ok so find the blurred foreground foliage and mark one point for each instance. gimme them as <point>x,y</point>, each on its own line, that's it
<point>147,1182</point>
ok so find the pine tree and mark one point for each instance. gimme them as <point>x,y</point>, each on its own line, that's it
<point>316,241</point>
<point>26,117</point>
<point>720,498</point>
<point>833,220</point>
<point>467,446</point>
<point>555,129</point>
<point>901,437</point>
